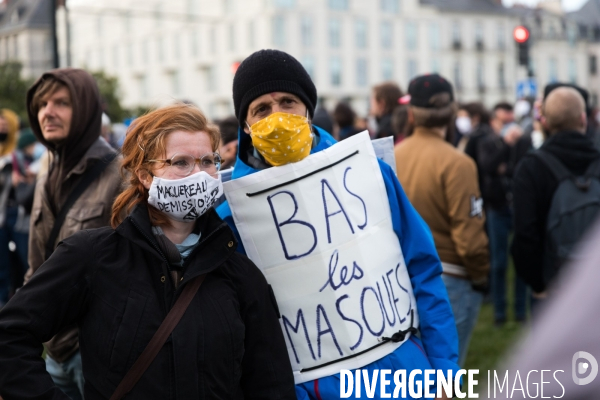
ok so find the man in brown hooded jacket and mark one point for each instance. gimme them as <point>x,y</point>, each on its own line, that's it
<point>65,113</point>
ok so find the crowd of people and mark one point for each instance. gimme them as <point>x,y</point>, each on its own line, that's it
<point>98,270</point>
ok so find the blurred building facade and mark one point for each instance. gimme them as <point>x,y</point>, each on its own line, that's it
<point>189,49</point>
<point>25,35</point>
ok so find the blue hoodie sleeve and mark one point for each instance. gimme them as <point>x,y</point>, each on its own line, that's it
<point>437,327</point>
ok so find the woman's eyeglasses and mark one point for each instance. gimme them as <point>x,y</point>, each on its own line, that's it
<point>183,164</point>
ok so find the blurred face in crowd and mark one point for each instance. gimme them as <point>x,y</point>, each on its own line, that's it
<point>271,103</point>
<point>377,106</point>
<point>501,118</point>
<point>505,116</point>
<point>228,153</point>
<point>55,114</point>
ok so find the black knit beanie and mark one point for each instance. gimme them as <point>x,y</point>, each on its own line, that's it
<point>267,71</point>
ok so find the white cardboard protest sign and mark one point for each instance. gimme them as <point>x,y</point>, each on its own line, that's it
<point>321,232</point>
<point>384,149</point>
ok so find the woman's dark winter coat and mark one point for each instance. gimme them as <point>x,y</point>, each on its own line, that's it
<point>116,285</point>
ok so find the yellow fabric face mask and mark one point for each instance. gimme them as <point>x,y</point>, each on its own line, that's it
<point>282,138</point>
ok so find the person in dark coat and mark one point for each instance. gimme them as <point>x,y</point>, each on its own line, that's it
<point>384,99</point>
<point>345,117</point>
<point>119,283</point>
<point>564,119</point>
<point>494,154</point>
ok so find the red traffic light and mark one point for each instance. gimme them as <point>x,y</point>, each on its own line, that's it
<point>521,34</point>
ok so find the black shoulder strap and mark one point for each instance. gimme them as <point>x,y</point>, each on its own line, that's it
<point>593,169</point>
<point>89,176</point>
<point>554,164</point>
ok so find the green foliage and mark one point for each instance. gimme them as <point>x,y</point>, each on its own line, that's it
<point>111,96</point>
<point>13,89</point>
<point>490,344</point>
<point>140,110</point>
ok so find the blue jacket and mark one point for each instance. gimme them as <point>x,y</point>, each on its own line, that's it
<point>437,347</point>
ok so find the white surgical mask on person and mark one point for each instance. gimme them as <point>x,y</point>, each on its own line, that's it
<point>463,124</point>
<point>185,199</point>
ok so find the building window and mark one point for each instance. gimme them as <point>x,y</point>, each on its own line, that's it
<point>435,66</point>
<point>195,42</point>
<point>130,54</point>
<point>361,72</point>
<point>552,32</point>
<point>341,5</point>
<point>335,32</point>
<point>335,71</point>
<point>284,3</point>
<point>480,75</point>
<point>434,36</point>
<point>412,69</point>
<point>456,36</point>
<point>572,71</point>
<point>306,27</point>
<point>176,47</point>
<point>457,75</point>
<point>193,8</point>
<point>479,36</point>
<point>115,56</point>
<point>160,49</point>
<point>158,17</point>
<point>251,35</point>
<point>229,6</point>
<point>211,78</point>
<point>387,33</point>
<point>212,36</point>
<point>100,58</point>
<point>390,6</point>
<point>145,52</point>
<point>593,65</point>
<point>552,70</point>
<point>144,88</point>
<point>387,69</point>
<point>501,36</point>
<point>175,83</point>
<point>308,62</point>
<point>411,35</point>
<point>127,23</point>
<point>360,32</point>
<point>572,36</point>
<point>501,76</point>
<point>278,31</point>
<point>231,37</point>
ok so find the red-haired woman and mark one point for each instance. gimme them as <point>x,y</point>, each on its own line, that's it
<point>118,284</point>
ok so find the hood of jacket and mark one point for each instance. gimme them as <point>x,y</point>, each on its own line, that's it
<point>575,150</point>
<point>86,120</point>
<point>242,168</point>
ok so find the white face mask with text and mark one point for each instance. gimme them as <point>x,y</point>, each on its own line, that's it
<point>185,199</point>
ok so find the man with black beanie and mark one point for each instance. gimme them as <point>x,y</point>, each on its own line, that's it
<point>271,86</point>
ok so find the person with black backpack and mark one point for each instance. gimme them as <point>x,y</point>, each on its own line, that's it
<point>556,192</point>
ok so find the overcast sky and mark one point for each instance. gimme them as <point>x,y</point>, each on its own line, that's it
<point>569,5</point>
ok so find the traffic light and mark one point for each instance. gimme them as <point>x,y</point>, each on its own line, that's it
<point>521,36</point>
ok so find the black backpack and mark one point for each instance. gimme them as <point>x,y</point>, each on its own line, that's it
<point>575,205</point>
